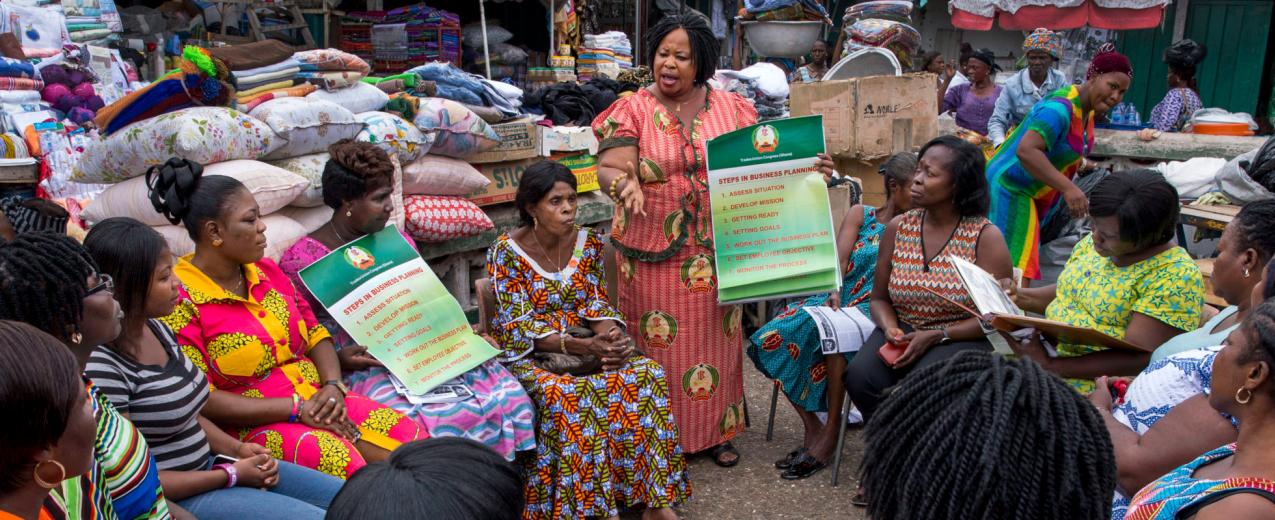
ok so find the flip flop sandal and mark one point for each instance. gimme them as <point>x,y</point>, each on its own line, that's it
<point>803,467</point>
<point>786,462</point>
<point>858,500</point>
<point>723,449</point>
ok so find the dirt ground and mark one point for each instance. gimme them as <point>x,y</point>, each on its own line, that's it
<point>753,488</point>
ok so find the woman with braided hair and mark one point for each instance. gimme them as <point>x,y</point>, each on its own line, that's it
<point>273,370</point>
<point>49,281</point>
<point>1236,480</point>
<point>356,185</point>
<point>983,436</point>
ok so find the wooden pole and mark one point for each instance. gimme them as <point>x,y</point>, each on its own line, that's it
<point>482,16</point>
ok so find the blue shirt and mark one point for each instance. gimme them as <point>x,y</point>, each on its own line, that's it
<point>1018,95</point>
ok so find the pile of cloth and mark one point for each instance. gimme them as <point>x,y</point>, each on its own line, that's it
<point>425,40</point>
<point>577,104</point>
<point>41,30</point>
<point>331,69</point>
<point>70,91</point>
<point>885,24</point>
<point>200,80</point>
<point>609,52</point>
<point>506,60</point>
<point>487,99</point>
<point>356,33</point>
<point>259,67</point>
<point>784,11</point>
<point>763,84</point>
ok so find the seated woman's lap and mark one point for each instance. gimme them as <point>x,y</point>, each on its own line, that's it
<point>867,377</point>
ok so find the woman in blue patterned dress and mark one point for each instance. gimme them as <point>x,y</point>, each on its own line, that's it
<point>787,349</point>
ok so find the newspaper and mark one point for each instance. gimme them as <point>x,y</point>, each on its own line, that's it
<point>990,298</point>
<point>450,392</point>
<point>841,330</point>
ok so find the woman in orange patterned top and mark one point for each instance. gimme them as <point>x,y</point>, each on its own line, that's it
<point>950,220</point>
<point>652,162</point>
<point>274,372</point>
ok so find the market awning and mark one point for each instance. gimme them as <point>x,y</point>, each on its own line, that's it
<point>1093,13</point>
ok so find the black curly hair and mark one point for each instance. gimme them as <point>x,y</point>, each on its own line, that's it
<point>983,436</point>
<point>353,169</point>
<point>43,281</point>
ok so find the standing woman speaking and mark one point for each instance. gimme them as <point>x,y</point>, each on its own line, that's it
<point>652,163</point>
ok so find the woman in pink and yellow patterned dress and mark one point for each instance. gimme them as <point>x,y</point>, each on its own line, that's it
<point>652,162</point>
<point>273,370</point>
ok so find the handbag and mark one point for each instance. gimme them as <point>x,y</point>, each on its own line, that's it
<point>563,364</point>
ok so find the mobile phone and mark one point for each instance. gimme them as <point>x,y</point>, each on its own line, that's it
<point>890,352</point>
<point>224,459</point>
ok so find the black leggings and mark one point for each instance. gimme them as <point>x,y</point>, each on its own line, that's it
<point>868,378</point>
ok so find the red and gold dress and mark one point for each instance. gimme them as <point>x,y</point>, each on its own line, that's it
<point>257,348</point>
<point>668,281</point>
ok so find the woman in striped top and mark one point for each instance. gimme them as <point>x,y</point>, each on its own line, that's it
<point>950,197</point>
<point>146,377</point>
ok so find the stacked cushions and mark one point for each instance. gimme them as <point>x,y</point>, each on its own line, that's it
<point>438,219</point>
<point>435,175</point>
<point>306,126</point>
<point>331,60</point>
<point>281,233</point>
<point>310,219</point>
<point>358,98</point>
<point>272,187</point>
<point>394,135</point>
<point>205,135</point>
<point>460,133</point>
<point>310,167</point>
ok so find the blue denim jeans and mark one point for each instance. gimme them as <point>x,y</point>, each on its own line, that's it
<point>302,494</point>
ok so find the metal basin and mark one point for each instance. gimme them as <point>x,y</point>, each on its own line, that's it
<point>782,39</point>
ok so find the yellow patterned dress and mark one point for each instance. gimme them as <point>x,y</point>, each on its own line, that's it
<point>1094,293</point>
<point>257,348</point>
<point>605,440</point>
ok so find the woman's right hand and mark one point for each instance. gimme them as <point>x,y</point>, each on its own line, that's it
<point>258,471</point>
<point>834,300</point>
<point>613,353</point>
<point>1077,202</point>
<point>341,426</point>
<point>631,195</point>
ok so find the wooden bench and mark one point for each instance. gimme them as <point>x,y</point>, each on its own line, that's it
<point>1213,218</point>
<point>1206,269</point>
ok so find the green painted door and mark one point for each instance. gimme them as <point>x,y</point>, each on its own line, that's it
<point>1236,34</point>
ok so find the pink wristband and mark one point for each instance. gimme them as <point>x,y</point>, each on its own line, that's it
<point>232,475</point>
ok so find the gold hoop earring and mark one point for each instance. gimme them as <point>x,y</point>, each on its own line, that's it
<point>216,242</point>
<point>43,483</point>
<point>76,337</point>
<point>1248,395</point>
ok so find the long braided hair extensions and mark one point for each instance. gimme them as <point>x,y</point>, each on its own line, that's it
<point>43,281</point>
<point>981,436</point>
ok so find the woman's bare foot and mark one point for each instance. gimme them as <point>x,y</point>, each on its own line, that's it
<point>663,513</point>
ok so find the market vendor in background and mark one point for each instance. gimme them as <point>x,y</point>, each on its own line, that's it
<point>1033,170</point>
<point>1183,98</point>
<point>1030,85</point>
<point>973,102</point>
<point>820,61</point>
<point>651,161</point>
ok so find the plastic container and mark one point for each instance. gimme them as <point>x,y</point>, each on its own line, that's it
<point>1228,129</point>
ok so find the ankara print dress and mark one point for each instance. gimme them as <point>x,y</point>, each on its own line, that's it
<point>668,281</point>
<point>605,440</point>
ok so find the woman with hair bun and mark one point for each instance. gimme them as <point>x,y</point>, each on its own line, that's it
<point>1183,98</point>
<point>274,372</point>
<point>356,185</point>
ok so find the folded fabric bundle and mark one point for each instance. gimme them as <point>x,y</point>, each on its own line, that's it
<point>11,68</point>
<point>452,83</point>
<point>19,96</point>
<point>266,78</point>
<point>287,83</point>
<point>78,27</point>
<point>252,55</point>
<point>90,35</point>
<point>283,65</point>
<point>331,60</point>
<point>13,146</point>
<point>248,103</point>
<point>21,84</point>
<point>331,80</point>
<point>199,80</point>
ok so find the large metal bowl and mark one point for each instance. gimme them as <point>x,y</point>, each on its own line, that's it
<point>782,39</point>
<point>872,61</point>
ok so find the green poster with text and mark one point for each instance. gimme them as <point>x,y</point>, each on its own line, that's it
<point>390,301</point>
<point>772,221</point>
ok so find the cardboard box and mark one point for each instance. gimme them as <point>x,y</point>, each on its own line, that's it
<point>873,183</point>
<point>505,176</point>
<point>567,139</point>
<point>518,140</point>
<point>873,117</point>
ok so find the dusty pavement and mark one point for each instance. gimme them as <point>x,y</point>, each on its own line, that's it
<point>753,488</point>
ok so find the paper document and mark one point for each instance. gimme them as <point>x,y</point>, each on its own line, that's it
<point>985,290</point>
<point>841,330</point>
<point>449,392</point>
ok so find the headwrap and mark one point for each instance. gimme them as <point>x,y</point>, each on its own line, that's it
<point>1108,60</point>
<point>986,56</point>
<point>1043,39</point>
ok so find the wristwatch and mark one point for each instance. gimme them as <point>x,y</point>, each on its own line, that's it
<point>339,386</point>
<point>945,339</point>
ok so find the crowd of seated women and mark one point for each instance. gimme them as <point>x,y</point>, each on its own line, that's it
<point>212,386</point>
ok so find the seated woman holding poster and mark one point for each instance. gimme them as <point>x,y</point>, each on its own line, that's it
<point>787,349</point>
<point>356,185</point>
<point>275,375</point>
<point>606,435</point>
<point>1127,279</point>
<point>916,283</point>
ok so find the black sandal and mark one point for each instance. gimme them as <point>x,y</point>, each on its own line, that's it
<point>722,449</point>
<point>788,459</point>
<point>859,500</point>
<point>803,467</point>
